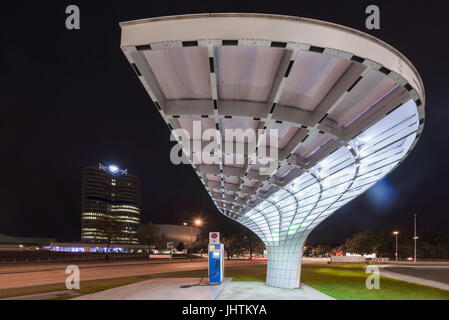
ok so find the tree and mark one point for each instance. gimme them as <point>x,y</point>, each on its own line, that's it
<point>386,243</point>
<point>228,243</point>
<point>322,250</point>
<point>362,243</point>
<point>149,234</point>
<point>382,243</point>
<point>259,247</point>
<point>236,238</point>
<point>180,246</point>
<point>337,249</point>
<point>254,244</point>
<point>429,246</point>
<point>200,244</point>
<point>432,246</point>
<point>308,251</point>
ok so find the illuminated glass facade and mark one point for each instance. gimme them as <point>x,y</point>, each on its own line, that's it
<point>110,194</point>
<point>344,109</point>
<point>286,218</point>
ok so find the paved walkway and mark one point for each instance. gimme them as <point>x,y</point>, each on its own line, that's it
<point>238,290</point>
<point>431,276</point>
<point>195,289</point>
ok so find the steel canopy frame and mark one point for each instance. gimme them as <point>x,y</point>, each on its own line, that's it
<point>349,109</point>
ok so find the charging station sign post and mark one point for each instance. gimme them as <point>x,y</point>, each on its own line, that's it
<point>216,261</point>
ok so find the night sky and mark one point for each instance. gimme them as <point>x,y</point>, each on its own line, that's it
<point>70,99</point>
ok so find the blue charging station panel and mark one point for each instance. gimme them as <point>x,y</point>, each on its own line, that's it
<point>216,263</point>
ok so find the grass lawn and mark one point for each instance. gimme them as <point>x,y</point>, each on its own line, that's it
<point>347,282</point>
<point>342,282</point>
<point>86,287</point>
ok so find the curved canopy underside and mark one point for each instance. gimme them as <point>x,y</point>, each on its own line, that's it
<point>343,121</point>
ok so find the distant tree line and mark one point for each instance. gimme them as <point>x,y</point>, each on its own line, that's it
<point>429,245</point>
<point>150,234</point>
<point>237,240</point>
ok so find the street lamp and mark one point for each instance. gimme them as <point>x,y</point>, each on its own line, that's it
<point>396,234</point>
<point>197,222</point>
<point>415,238</point>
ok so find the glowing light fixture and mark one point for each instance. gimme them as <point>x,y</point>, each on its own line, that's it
<point>113,168</point>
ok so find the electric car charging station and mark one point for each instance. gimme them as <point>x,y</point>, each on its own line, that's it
<point>216,261</point>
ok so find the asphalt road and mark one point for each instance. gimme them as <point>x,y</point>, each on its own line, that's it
<point>434,273</point>
<point>41,274</point>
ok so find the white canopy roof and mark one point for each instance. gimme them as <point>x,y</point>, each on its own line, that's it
<point>347,109</point>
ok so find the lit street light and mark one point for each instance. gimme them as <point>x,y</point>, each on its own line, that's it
<point>197,222</point>
<point>396,234</point>
<point>415,238</point>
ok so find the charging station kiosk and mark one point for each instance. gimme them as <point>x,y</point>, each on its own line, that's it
<point>216,258</point>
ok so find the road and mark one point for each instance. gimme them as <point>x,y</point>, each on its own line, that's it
<point>434,273</point>
<point>41,274</point>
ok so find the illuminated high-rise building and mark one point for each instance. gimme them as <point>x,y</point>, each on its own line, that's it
<point>109,194</point>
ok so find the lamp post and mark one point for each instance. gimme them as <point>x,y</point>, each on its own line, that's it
<point>415,238</point>
<point>396,233</point>
<point>197,222</point>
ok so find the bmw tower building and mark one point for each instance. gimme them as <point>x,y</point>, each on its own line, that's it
<point>109,192</point>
